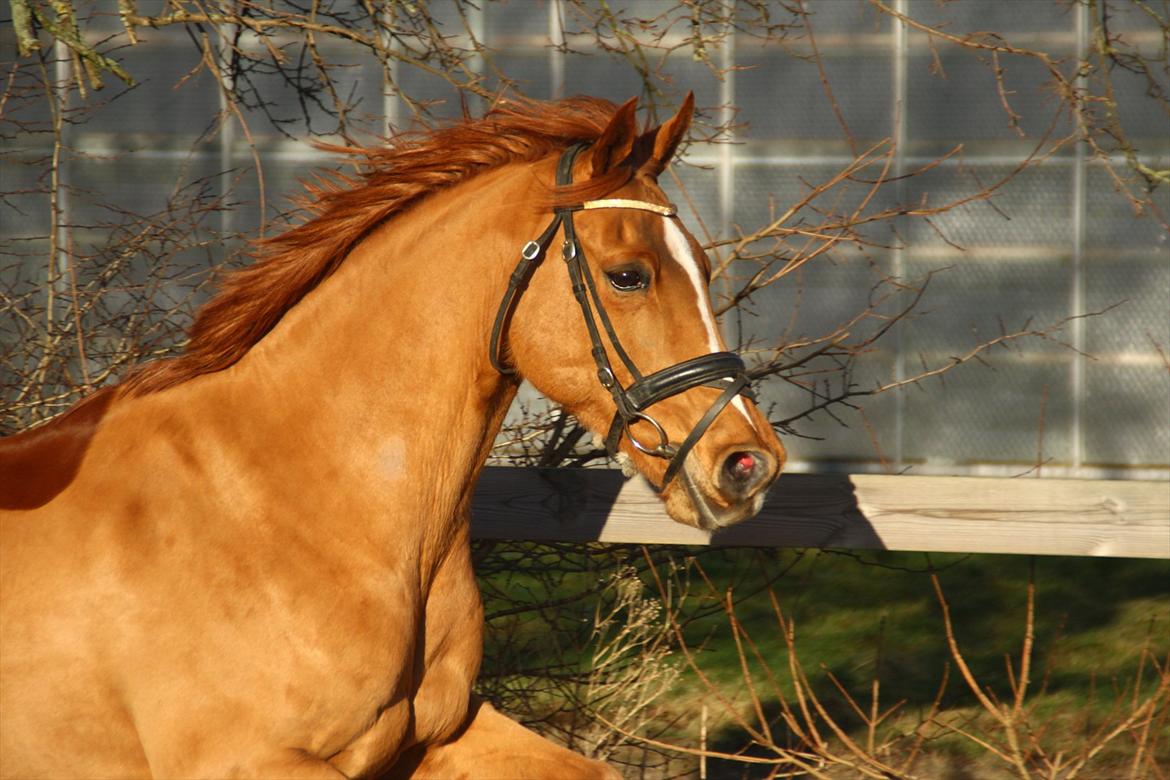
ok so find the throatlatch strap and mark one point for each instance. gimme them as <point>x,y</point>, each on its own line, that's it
<point>530,257</point>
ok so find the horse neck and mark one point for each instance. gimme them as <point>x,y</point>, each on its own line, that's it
<point>380,378</point>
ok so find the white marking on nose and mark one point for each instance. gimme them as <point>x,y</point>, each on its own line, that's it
<point>737,402</point>
<point>680,250</point>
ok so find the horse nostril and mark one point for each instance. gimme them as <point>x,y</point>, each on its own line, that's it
<point>741,468</point>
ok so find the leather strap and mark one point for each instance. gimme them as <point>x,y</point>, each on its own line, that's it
<point>582,282</point>
<point>530,257</point>
<point>733,389</point>
<point>703,370</point>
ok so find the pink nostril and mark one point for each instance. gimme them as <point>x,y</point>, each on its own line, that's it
<point>745,463</point>
<point>746,473</point>
<point>741,465</point>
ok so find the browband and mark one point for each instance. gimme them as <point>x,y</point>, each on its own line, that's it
<point>624,203</point>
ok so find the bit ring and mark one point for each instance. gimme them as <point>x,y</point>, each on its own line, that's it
<point>662,449</point>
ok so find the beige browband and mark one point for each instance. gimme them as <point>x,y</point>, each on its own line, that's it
<point>623,203</point>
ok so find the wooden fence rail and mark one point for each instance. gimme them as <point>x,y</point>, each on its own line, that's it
<point>934,514</point>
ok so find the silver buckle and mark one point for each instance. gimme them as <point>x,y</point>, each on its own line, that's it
<point>663,448</point>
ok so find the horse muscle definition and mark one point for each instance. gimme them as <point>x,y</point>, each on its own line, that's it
<point>252,560</point>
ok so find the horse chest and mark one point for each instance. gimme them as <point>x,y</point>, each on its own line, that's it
<point>446,657</point>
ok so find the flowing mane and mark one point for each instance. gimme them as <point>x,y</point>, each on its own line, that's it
<point>389,180</point>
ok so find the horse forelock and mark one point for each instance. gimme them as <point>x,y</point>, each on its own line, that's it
<point>346,207</point>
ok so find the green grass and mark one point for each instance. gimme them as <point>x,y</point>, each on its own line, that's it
<point>852,613</point>
<point>858,616</point>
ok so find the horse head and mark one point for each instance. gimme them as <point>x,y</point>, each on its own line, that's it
<point>617,327</point>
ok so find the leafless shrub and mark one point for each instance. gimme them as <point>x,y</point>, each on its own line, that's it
<point>796,722</point>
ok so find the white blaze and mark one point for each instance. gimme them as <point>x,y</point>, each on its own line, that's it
<point>680,249</point>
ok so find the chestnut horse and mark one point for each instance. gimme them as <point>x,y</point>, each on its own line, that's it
<point>252,560</point>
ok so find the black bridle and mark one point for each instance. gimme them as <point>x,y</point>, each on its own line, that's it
<point>722,370</point>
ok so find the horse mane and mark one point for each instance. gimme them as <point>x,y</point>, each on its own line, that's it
<point>345,208</point>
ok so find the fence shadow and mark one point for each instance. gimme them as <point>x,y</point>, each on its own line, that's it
<point>582,505</point>
<point>807,510</point>
<point>567,505</point>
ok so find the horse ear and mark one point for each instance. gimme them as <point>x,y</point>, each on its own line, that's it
<point>669,136</point>
<point>616,141</point>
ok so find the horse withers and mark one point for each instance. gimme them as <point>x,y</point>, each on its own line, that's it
<point>252,560</point>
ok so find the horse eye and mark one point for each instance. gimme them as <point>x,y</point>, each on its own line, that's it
<point>628,279</point>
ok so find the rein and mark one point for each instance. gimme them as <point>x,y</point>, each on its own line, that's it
<point>721,370</point>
